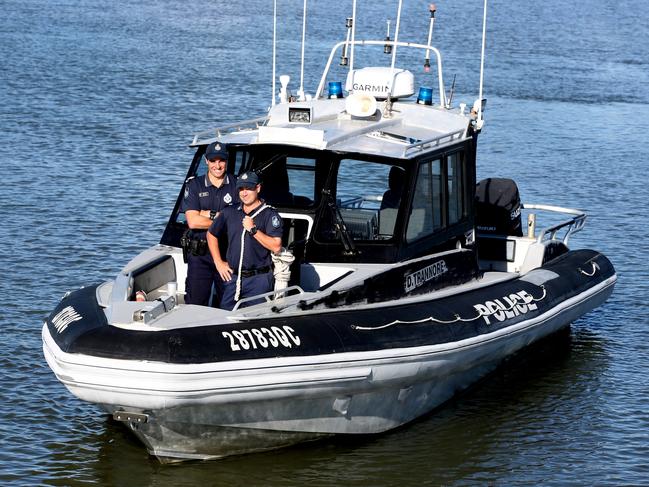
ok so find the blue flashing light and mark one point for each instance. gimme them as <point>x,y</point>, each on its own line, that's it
<point>335,89</point>
<point>425,96</point>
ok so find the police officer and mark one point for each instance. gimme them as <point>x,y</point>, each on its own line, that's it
<point>253,230</point>
<point>205,197</point>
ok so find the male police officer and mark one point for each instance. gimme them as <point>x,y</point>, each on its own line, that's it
<point>205,197</point>
<point>253,230</point>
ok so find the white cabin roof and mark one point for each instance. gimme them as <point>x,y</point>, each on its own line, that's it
<point>408,130</point>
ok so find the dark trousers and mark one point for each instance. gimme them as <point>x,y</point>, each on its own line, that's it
<point>201,274</point>
<point>250,286</point>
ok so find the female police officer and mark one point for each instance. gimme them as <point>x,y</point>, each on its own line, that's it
<point>253,230</point>
<point>206,196</point>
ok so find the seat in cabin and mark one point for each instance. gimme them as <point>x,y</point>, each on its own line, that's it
<point>390,202</point>
<point>275,187</point>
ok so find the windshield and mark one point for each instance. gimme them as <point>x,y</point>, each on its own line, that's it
<point>363,201</point>
<point>289,180</point>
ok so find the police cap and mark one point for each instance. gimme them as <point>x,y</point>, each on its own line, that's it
<point>216,150</point>
<point>248,180</point>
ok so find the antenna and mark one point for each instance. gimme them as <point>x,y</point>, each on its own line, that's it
<point>432,8</point>
<point>274,47</point>
<point>450,96</point>
<point>300,92</point>
<point>396,39</point>
<point>351,60</point>
<point>396,34</point>
<point>344,60</point>
<point>484,35</point>
<point>387,48</point>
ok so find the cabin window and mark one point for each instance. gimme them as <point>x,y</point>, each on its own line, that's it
<point>426,213</point>
<point>455,188</point>
<point>358,186</point>
<point>289,182</point>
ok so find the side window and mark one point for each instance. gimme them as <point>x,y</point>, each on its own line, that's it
<point>455,178</point>
<point>426,213</point>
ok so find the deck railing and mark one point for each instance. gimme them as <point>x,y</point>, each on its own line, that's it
<point>207,135</point>
<point>570,226</point>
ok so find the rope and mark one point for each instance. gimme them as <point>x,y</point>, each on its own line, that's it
<point>243,236</point>
<point>457,318</point>
<point>282,269</point>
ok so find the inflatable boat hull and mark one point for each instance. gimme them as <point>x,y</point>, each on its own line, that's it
<point>208,392</point>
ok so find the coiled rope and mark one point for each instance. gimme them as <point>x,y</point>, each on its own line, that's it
<point>282,269</point>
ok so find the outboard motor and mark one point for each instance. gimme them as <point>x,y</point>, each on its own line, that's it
<point>498,207</point>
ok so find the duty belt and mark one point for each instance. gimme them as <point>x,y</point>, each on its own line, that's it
<point>192,243</point>
<point>254,272</point>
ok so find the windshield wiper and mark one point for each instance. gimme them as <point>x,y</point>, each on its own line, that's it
<point>339,224</point>
<point>261,169</point>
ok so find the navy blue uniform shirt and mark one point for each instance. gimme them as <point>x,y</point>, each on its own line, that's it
<point>229,222</point>
<point>201,194</point>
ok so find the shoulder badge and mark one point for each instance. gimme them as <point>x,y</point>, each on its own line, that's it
<point>186,191</point>
<point>275,221</point>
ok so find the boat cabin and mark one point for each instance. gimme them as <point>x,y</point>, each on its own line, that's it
<point>374,206</point>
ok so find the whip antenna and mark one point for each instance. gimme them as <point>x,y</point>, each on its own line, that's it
<point>274,47</point>
<point>484,36</point>
<point>300,92</point>
<point>394,51</point>
<point>351,56</point>
<point>396,36</point>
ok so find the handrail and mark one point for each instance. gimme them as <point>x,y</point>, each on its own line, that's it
<point>420,145</point>
<point>269,296</point>
<point>574,224</point>
<point>438,56</point>
<point>251,124</point>
<point>434,141</point>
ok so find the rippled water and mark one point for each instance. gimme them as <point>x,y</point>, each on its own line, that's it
<point>98,102</point>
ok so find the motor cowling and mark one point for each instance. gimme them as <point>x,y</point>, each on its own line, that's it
<point>498,207</point>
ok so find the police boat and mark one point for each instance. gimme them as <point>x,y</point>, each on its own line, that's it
<point>401,281</point>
